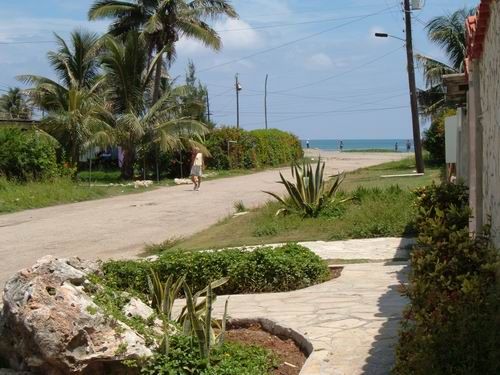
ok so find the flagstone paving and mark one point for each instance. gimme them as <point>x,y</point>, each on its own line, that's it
<point>351,322</point>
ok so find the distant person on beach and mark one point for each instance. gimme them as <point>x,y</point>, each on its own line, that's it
<point>396,147</point>
<point>307,144</point>
<point>196,168</point>
<point>341,146</point>
<point>408,146</point>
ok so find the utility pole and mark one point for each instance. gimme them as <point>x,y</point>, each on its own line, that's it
<point>265,100</point>
<point>208,109</point>
<point>237,86</point>
<point>417,142</point>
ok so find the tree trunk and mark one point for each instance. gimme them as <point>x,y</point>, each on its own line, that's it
<point>157,83</point>
<point>128,163</point>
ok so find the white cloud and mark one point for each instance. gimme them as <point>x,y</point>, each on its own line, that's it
<point>319,61</point>
<point>237,34</point>
<point>27,28</point>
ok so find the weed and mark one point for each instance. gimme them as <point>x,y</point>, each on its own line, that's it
<point>239,206</point>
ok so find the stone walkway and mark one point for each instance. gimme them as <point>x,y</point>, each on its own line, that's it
<point>351,322</point>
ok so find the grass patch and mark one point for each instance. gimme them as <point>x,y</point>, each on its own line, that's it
<point>383,208</point>
<point>22,196</point>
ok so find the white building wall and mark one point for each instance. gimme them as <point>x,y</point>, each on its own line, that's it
<point>489,73</point>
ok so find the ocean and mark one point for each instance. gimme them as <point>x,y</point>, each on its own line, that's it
<point>358,144</point>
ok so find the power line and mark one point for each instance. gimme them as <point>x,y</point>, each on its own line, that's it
<point>367,110</point>
<point>30,42</point>
<point>294,41</point>
<point>328,78</point>
<point>288,24</point>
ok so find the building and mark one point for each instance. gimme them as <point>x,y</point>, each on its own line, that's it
<point>477,123</point>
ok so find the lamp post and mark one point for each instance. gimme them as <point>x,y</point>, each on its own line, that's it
<point>417,142</point>
<point>238,88</point>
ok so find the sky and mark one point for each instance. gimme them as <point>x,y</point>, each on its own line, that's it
<point>328,76</point>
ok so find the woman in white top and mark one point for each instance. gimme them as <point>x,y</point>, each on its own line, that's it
<point>196,168</point>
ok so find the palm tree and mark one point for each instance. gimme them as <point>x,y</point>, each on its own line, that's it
<point>136,122</point>
<point>13,105</point>
<point>81,122</point>
<point>75,113</point>
<point>163,23</point>
<point>449,33</point>
<point>76,66</point>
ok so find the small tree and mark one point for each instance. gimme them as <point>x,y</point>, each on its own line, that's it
<point>434,141</point>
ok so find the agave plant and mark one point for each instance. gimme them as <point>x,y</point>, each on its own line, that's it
<point>195,317</point>
<point>163,295</point>
<point>308,194</point>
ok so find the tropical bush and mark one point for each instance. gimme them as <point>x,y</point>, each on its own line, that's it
<point>190,343</point>
<point>436,199</point>
<point>241,149</point>
<point>262,270</point>
<point>230,359</point>
<point>309,194</point>
<point>451,325</point>
<point>26,155</point>
<point>434,137</point>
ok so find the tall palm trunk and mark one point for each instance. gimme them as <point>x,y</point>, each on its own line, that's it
<point>127,172</point>
<point>157,83</point>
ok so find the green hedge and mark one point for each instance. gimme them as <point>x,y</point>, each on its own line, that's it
<point>265,269</point>
<point>251,149</point>
<point>452,324</point>
<point>24,155</point>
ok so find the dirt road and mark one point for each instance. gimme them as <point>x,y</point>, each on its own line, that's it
<point>120,227</point>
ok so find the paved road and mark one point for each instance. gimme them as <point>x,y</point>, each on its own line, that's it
<point>120,227</point>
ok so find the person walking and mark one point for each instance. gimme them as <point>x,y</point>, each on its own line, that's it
<point>196,168</point>
<point>307,144</point>
<point>341,146</point>
<point>408,146</point>
<point>396,147</point>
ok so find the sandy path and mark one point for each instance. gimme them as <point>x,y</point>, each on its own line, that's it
<point>119,227</point>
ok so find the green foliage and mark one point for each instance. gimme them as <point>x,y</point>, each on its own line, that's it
<point>308,195</point>
<point>230,359</point>
<point>16,196</point>
<point>26,155</point>
<point>232,148</point>
<point>451,326</point>
<point>163,294</point>
<point>434,137</point>
<point>448,198</point>
<point>263,270</point>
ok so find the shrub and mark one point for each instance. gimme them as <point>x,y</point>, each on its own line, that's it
<point>434,137</point>
<point>263,270</point>
<point>241,149</point>
<point>231,359</point>
<point>24,155</point>
<point>274,147</point>
<point>436,199</point>
<point>451,325</point>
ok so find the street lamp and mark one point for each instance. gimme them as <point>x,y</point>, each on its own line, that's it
<point>385,35</point>
<point>417,142</point>
<point>238,88</point>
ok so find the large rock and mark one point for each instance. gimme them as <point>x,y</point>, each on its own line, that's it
<point>50,325</point>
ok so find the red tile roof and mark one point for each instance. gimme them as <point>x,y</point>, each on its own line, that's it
<point>477,26</point>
